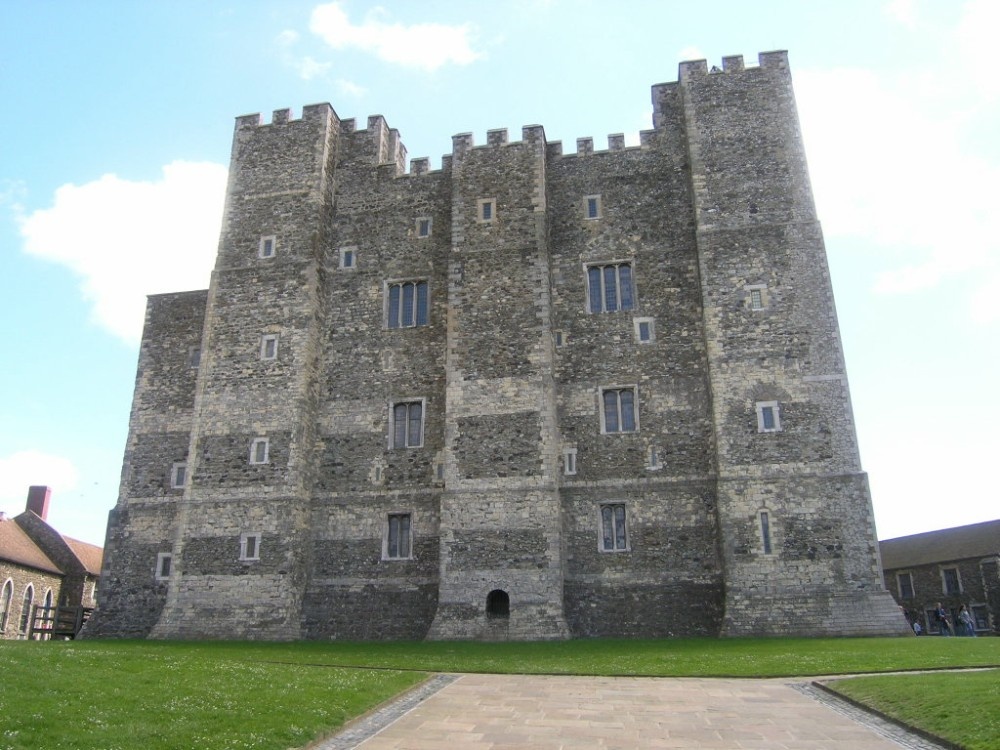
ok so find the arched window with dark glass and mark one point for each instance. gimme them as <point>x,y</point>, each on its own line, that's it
<point>26,602</point>
<point>5,599</point>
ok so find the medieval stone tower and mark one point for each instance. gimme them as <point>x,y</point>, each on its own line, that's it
<point>529,395</point>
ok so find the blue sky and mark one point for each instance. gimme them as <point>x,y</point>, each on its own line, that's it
<point>117,127</point>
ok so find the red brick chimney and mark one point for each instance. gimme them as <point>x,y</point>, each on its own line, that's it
<point>38,500</point>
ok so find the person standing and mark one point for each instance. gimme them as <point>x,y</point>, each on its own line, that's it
<point>966,622</point>
<point>941,615</point>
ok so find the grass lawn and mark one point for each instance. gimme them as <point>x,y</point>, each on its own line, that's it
<point>962,707</point>
<point>219,695</point>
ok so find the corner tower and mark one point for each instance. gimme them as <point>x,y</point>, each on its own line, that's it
<point>241,545</point>
<point>799,551</point>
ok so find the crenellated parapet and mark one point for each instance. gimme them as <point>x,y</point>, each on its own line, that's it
<point>777,60</point>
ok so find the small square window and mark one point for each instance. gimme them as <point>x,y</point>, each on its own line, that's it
<point>486,210</point>
<point>768,417</point>
<point>645,332</point>
<point>269,346</point>
<point>905,585</point>
<point>398,537</point>
<point>592,207</point>
<point>569,461</point>
<point>756,297</point>
<point>164,565</point>
<point>407,424</point>
<point>259,449</point>
<point>619,410</point>
<point>178,473</point>
<point>348,257</point>
<point>267,247</point>
<point>250,546</point>
<point>614,537</point>
<point>424,226</point>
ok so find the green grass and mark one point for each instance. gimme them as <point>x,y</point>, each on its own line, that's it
<point>962,707</point>
<point>127,695</point>
<point>272,696</point>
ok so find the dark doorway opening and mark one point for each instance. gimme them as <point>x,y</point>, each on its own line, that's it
<point>497,604</point>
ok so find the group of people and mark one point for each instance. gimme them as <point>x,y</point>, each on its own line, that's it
<point>964,622</point>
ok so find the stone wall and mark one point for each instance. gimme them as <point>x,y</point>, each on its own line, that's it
<point>712,299</point>
<point>20,578</point>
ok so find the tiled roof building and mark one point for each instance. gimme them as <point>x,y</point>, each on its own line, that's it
<point>43,572</point>
<point>953,566</point>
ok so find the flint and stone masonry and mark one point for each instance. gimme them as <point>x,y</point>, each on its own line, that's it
<point>529,395</point>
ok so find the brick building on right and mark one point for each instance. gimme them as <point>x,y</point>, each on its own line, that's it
<point>952,566</point>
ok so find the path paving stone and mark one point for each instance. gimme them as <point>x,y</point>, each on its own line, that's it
<point>508,712</point>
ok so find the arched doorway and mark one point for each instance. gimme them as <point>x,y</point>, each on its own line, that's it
<point>498,604</point>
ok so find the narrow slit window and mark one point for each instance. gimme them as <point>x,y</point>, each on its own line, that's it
<point>768,416</point>
<point>569,461</point>
<point>348,257</point>
<point>398,536</point>
<point>614,537</point>
<point>259,451</point>
<point>250,547</point>
<point>164,565</point>
<point>267,246</point>
<point>765,532</point>
<point>423,227</point>
<point>178,474</point>
<point>592,205</point>
<point>269,346</point>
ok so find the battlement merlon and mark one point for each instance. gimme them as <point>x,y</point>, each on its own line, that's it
<point>691,71</point>
<point>310,113</point>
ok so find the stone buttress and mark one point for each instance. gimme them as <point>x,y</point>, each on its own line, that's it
<point>800,554</point>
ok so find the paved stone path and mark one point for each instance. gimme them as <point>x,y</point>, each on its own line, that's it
<point>508,712</point>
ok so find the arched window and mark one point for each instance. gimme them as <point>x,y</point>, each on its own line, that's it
<point>5,599</point>
<point>498,604</point>
<point>29,598</point>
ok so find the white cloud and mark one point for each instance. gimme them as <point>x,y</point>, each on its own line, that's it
<point>903,12</point>
<point>893,162</point>
<point>691,53</point>
<point>309,68</point>
<point>127,239</point>
<point>349,87</point>
<point>424,45</point>
<point>305,66</point>
<point>20,470</point>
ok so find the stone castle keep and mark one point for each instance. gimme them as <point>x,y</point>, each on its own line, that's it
<point>530,395</point>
